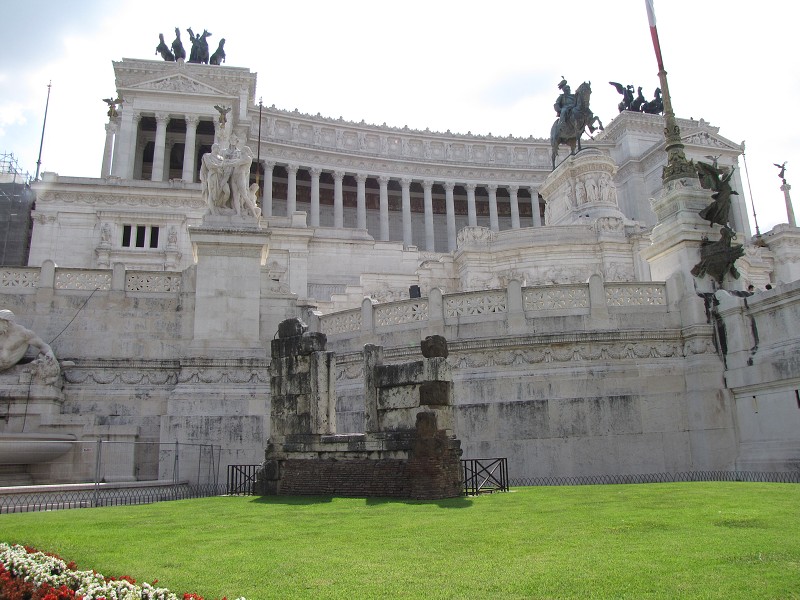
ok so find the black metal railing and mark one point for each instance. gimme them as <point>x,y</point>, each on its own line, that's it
<point>241,479</point>
<point>747,476</point>
<point>100,496</point>
<point>485,475</point>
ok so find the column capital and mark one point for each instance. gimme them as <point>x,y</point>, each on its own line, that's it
<point>268,164</point>
<point>492,187</point>
<point>136,116</point>
<point>292,168</point>
<point>405,182</point>
<point>112,126</point>
<point>513,189</point>
<point>383,180</point>
<point>449,186</point>
<point>192,120</point>
<point>427,184</point>
<point>315,171</point>
<point>338,175</point>
<point>361,178</point>
<point>471,187</point>
<point>162,118</point>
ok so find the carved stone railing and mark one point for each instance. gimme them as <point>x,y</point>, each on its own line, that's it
<point>518,307</point>
<point>555,297</point>
<point>635,294</point>
<point>82,279</point>
<point>343,322</point>
<point>400,313</point>
<point>22,280</point>
<point>152,281</point>
<point>475,303</point>
<point>19,278</point>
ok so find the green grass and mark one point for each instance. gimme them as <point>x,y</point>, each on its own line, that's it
<point>681,540</point>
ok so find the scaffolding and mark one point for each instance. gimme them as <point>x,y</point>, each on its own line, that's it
<point>10,171</point>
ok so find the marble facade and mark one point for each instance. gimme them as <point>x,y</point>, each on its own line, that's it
<point>579,343</point>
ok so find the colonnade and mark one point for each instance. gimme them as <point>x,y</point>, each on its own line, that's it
<point>123,139</point>
<point>405,195</point>
<point>124,147</point>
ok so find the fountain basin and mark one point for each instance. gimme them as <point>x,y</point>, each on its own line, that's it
<point>33,448</point>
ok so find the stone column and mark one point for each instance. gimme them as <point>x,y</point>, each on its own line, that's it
<point>291,190</point>
<point>788,199</point>
<point>383,181</point>
<point>472,215</point>
<point>162,119</point>
<point>494,223</point>
<point>512,192</point>
<point>108,152</point>
<point>361,201</point>
<point>315,173</point>
<point>125,150</point>
<point>537,216</point>
<point>406,187</point>
<point>189,147</point>
<point>266,198</point>
<point>451,215</point>
<point>427,187</point>
<point>338,200</point>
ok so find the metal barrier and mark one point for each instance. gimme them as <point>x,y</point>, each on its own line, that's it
<point>746,476</point>
<point>103,495</point>
<point>63,461</point>
<point>241,479</point>
<point>485,475</point>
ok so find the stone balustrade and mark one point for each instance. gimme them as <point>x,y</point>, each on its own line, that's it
<point>512,305</point>
<point>22,280</point>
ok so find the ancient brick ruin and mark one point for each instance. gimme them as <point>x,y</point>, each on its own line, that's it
<point>408,449</point>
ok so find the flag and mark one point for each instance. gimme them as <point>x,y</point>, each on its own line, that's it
<point>651,17</point>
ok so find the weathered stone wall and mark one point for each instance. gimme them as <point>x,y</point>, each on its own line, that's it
<point>408,450</point>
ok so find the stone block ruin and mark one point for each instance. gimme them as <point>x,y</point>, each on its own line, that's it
<point>408,449</point>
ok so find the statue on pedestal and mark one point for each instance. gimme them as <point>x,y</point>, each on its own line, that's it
<point>225,176</point>
<point>574,116</point>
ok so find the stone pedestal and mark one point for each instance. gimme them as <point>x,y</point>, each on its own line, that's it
<point>784,243</point>
<point>581,190</point>
<point>677,237</point>
<point>229,252</point>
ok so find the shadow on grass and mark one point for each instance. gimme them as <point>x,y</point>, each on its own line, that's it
<point>460,502</point>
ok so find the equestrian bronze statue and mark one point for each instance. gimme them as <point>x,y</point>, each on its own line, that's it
<point>574,116</point>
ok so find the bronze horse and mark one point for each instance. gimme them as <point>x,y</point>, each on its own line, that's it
<point>579,118</point>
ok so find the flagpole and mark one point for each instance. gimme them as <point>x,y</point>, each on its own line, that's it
<point>44,123</point>
<point>678,167</point>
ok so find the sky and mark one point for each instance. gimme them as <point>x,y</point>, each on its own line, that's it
<point>463,66</point>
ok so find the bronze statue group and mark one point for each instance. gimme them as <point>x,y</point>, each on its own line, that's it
<point>198,53</point>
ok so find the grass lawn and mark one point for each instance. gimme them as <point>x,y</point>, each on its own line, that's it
<point>675,540</point>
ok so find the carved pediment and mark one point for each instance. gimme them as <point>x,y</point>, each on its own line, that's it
<point>178,83</point>
<point>705,138</point>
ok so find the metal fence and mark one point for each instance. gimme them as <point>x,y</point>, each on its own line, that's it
<point>241,480</point>
<point>747,476</point>
<point>96,495</point>
<point>485,475</point>
<point>93,473</point>
<point>37,460</point>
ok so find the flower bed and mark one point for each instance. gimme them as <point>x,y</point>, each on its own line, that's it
<point>26,573</point>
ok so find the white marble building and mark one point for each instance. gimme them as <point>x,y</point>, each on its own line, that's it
<point>579,343</point>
